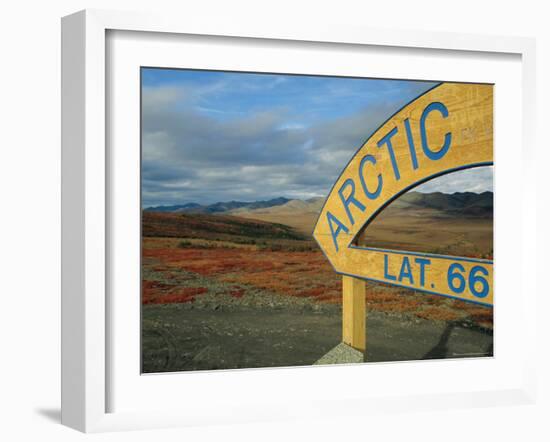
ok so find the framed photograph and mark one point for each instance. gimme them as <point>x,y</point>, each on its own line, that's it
<point>250,214</point>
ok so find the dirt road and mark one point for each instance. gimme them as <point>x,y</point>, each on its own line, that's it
<point>180,337</point>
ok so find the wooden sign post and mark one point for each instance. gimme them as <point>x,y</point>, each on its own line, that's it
<point>449,128</point>
<point>354,313</point>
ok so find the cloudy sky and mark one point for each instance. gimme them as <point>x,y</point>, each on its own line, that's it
<point>216,136</point>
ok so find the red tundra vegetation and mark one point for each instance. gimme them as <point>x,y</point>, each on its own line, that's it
<point>240,254</point>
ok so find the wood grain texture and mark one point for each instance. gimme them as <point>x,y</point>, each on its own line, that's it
<point>461,113</point>
<point>354,311</point>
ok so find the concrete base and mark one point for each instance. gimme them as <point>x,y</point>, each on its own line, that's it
<point>341,354</point>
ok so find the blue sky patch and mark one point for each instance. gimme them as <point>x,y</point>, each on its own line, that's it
<point>218,136</point>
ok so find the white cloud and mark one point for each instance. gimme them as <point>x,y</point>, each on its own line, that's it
<point>479,179</point>
<point>190,155</point>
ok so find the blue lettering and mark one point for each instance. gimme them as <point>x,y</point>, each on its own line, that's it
<point>370,195</point>
<point>422,262</point>
<point>387,141</point>
<point>454,273</point>
<point>406,271</point>
<point>332,219</point>
<point>410,139</point>
<point>386,274</point>
<point>431,154</point>
<point>350,199</point>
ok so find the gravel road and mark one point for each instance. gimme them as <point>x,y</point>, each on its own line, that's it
<point>216,335</point>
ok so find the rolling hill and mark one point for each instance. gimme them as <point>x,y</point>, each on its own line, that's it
<point>302,215</point>
<point>208,226</point>
<point>299,214</point>
<point>462,204</point>
<point>219,207</point>
<point>456,222</point>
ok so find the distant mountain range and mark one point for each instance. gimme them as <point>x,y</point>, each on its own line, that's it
<point>465,203</point>
<point>219,207</point>
<point>468,204</point>
<point>302,214</point>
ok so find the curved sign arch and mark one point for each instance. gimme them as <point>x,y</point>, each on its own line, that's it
<point>448,128</point>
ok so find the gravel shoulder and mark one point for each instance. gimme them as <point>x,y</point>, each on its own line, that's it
<point>268,332</point>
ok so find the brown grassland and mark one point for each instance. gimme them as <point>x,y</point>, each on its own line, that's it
<point>427,230</point>
<point>187,257</point>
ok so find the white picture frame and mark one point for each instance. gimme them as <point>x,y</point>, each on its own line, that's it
<point>86,207</point>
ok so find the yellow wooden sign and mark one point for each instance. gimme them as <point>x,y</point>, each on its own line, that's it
<point>449,128</point>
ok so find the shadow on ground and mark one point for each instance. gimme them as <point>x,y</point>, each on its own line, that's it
<point>392,339</point>
<point>445,349</point>
<point>182,339</point>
